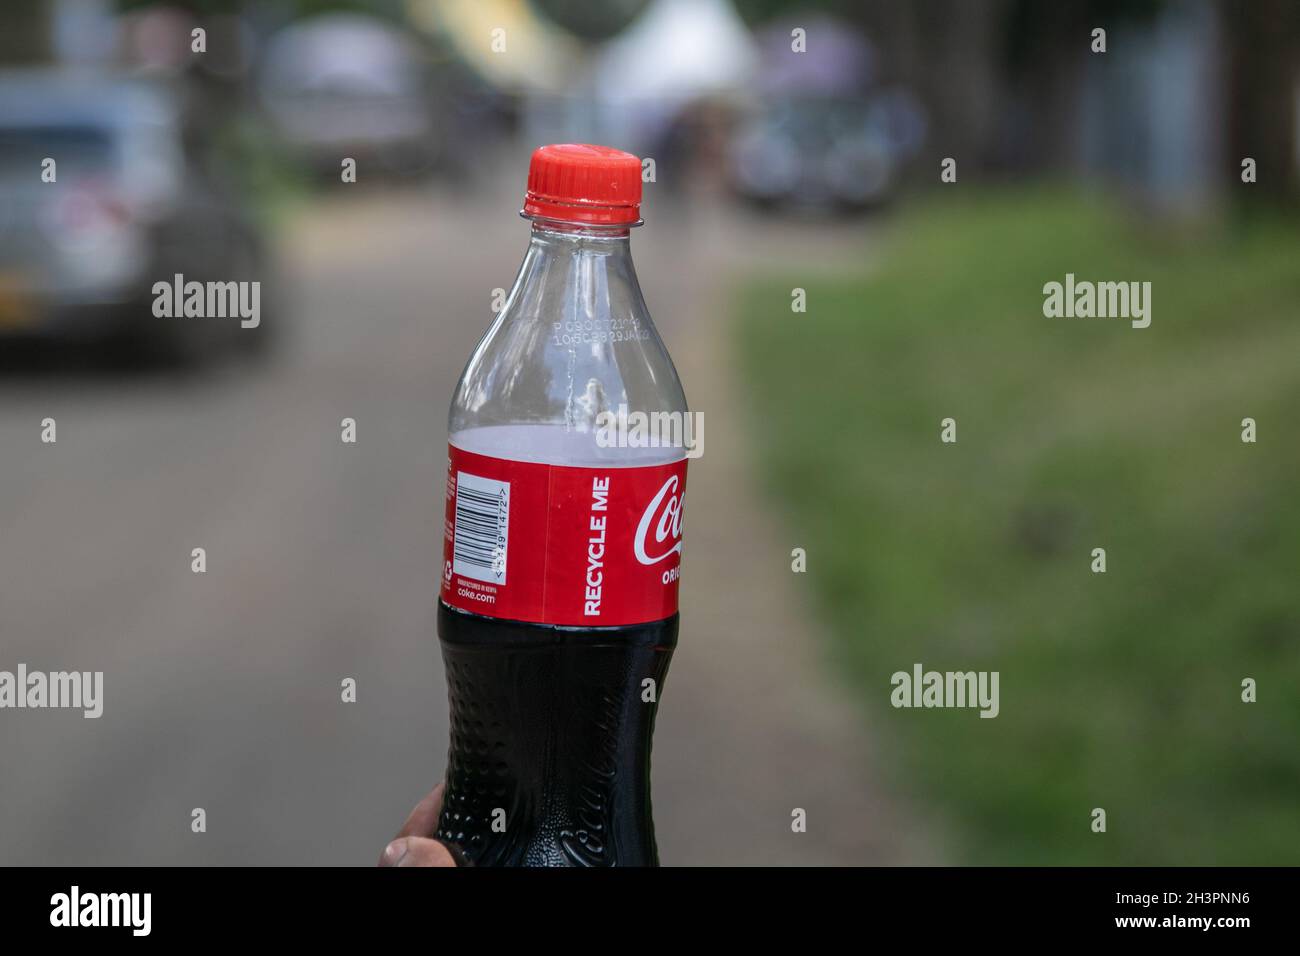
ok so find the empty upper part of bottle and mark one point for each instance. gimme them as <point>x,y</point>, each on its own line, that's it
<point>573,350</point>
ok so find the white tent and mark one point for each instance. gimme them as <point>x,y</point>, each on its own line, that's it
<point>679,50</point>
<point>676,52</point>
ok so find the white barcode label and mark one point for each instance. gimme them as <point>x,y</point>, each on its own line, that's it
<point>482,528</point>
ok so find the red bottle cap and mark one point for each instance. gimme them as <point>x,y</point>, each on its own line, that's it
<point>576,182</point>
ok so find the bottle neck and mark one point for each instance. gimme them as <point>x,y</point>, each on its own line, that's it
<point>592,261</point>
<point>560,230</point>
<point>579,285</point>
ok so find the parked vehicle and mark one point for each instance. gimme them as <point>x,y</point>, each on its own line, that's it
<point>345,84</point>
<point>815,152</point>
<point>129,201</point>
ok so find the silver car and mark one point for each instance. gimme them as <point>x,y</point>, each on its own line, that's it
<point>126,204</point>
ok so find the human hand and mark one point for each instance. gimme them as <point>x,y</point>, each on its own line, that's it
<point>414,844</point>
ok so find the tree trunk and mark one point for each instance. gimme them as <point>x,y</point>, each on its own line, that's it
<point>25,37</point>
<point>1263,63</point>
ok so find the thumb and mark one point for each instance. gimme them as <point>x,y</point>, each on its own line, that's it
<point>416,851</point>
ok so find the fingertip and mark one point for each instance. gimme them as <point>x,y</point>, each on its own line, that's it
<point>426,852</point>
<point>395,852</point>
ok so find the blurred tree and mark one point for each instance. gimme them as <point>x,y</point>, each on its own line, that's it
<point>25,37</point>
<point>1263,62</point>
<point>281,9</point>
<point>591,20</point>
<point>981,66</point>
<point>1002,78</point>
<point>1044,52</point>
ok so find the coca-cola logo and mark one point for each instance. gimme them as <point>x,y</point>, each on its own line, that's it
<point>664,515</point>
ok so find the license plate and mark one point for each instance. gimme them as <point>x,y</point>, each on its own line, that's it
<point>15,302</point>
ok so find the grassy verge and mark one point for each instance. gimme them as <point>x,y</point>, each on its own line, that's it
<point>1119,690</point>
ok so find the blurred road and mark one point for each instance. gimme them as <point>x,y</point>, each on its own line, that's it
<point>222,690</point>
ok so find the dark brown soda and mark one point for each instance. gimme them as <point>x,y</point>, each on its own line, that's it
<point>550,738</point>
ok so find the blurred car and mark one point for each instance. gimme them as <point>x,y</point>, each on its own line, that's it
<point>346,84</point>
<point>814,152</point>
<point>133,203</point>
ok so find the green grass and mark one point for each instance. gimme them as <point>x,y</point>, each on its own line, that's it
<point>1118,690</point>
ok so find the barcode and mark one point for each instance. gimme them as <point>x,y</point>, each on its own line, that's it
<point>482,528</point>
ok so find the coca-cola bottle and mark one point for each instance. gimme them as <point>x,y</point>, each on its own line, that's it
<point>558,610</point>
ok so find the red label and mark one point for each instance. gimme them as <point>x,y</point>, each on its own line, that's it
<point>550,544</point>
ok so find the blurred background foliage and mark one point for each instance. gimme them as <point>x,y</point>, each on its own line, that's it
<point>1120,690</point>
